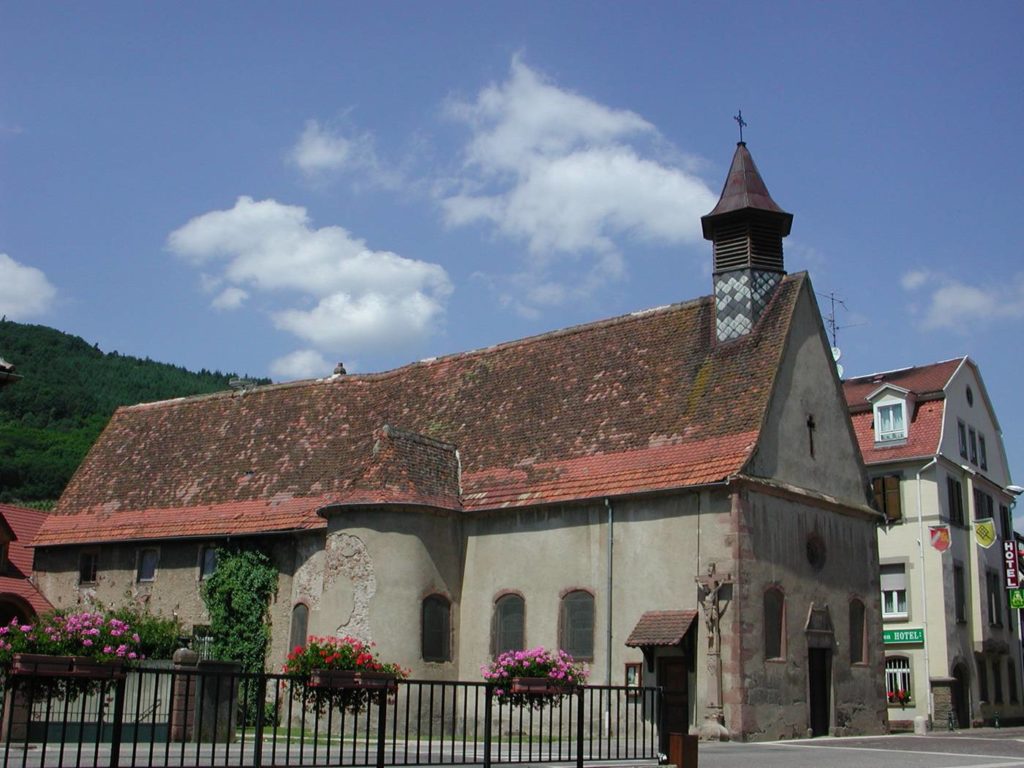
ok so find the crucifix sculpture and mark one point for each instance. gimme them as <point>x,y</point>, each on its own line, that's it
<point>709,589</point>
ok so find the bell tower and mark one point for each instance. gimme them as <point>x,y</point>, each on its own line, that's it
<point>746,228</point>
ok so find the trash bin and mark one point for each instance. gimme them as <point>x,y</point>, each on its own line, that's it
<point>682,750</point>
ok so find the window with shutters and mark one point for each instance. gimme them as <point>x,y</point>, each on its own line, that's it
<point>576,624</point>
<point>955,500</point>
<point>886,490</point>
<point>961,432</point>
<point>984,507</point>
<point>894,591</point>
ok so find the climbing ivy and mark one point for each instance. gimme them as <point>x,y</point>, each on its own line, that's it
<point>237,597</point>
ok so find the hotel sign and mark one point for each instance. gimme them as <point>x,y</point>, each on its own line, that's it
<point>1011,565</point>
<point>902,636</point>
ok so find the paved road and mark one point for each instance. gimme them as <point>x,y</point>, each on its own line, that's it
<point>977,748</point>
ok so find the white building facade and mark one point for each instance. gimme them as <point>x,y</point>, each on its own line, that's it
<point>933,449</point>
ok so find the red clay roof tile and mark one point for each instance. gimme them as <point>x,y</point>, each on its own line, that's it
<point>638,403</point>
<point>661,628</point>
<point>24,523</point>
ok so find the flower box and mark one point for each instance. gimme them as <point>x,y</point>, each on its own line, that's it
<point>352,678</point>
<point>541,686</point>
<point>41,665</point>
<point>91,669</point>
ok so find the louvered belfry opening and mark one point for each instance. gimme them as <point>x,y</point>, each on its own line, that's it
<point>746,228</point>
<point>748,242</point>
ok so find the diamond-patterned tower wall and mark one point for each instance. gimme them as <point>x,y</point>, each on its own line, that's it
<point>740,298</point>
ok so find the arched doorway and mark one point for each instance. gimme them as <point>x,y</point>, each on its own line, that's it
<point>961,696</point>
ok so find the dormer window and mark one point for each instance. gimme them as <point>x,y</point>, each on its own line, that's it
<point>890,422</point>
<point>893,407</point>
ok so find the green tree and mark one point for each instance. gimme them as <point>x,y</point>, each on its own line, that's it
<point>237,598</point>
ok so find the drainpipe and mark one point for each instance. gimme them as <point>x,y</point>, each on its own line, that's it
<point>608,599</point>
<point>924,594</point>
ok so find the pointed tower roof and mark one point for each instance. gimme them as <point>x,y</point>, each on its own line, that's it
<point>744,190</point>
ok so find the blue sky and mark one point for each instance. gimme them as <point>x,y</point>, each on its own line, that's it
<point>270,188</point>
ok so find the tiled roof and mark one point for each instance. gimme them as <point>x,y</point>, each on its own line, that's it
<point>639,403</point>
<point>922,437</point>
<point>925,428</point>
<point>921,380</point>
<point>661,628</point>
<point>24,523</point>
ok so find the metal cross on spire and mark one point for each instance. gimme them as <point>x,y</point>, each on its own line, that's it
<point>738,117</point>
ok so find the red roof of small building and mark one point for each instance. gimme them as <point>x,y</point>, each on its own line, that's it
<point>927,383</point>
<point>661,628</point>
<point>641,403</point>
<point>24,524</point>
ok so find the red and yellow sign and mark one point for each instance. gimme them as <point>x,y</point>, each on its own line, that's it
<point>940,537</point>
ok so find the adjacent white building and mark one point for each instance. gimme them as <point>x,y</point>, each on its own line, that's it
<point>933,449</point>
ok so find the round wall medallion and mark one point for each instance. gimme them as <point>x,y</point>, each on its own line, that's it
<point>816,551</point>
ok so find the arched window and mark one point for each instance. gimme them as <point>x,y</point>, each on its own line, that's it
<point>508,632</point>
<point>897,680</point>
<point>300,626</point>
<point>858,637</point>
<point>436,642</point>
<point>576,624</point>
<point>774,623</point>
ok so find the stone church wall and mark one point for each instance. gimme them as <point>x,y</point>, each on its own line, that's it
<point>818,557</point>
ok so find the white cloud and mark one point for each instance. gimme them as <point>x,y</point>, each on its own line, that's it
<point>568,176</point>
<point>914,279</point>
<point>230,298</point>
<point>24,291</point>
<point>319,150</point>
<point>322,152</point>
<point>958,306</point>
<point>300,364</point>
<point>361,298</point>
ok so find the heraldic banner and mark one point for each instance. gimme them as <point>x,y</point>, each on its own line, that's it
<point>985,532</point>
<point>939,537</point>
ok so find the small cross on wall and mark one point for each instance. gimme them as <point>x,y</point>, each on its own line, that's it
<point>810,433</point>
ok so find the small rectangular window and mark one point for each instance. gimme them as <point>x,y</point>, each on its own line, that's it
<point>997,681</point>
<point>1006,522</point>
<point>207,562</point>
<point>982,453</point>
<point>982,678</point>
<point>897,680</point>
<point>973,441</point>
<point>961,431</point>
<point>959,594</point>
<point>995,597</point>
<point>88,561</point>
<point>983,505</point>
<point>890,423</point>
<point>147,560</point>
<point>894,592</point>
<point>955,500</point>
<point>1011,678</point>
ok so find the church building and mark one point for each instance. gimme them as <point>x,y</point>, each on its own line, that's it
<point>675,496</point>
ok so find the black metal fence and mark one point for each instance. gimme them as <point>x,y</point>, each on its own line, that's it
<point>219,717</point>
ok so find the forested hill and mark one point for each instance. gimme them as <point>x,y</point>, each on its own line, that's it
<point>66,395</point>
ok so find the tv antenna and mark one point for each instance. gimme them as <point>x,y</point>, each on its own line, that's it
<point>833,326</point>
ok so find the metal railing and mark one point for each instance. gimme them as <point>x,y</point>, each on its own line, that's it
<point>174,717</point>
